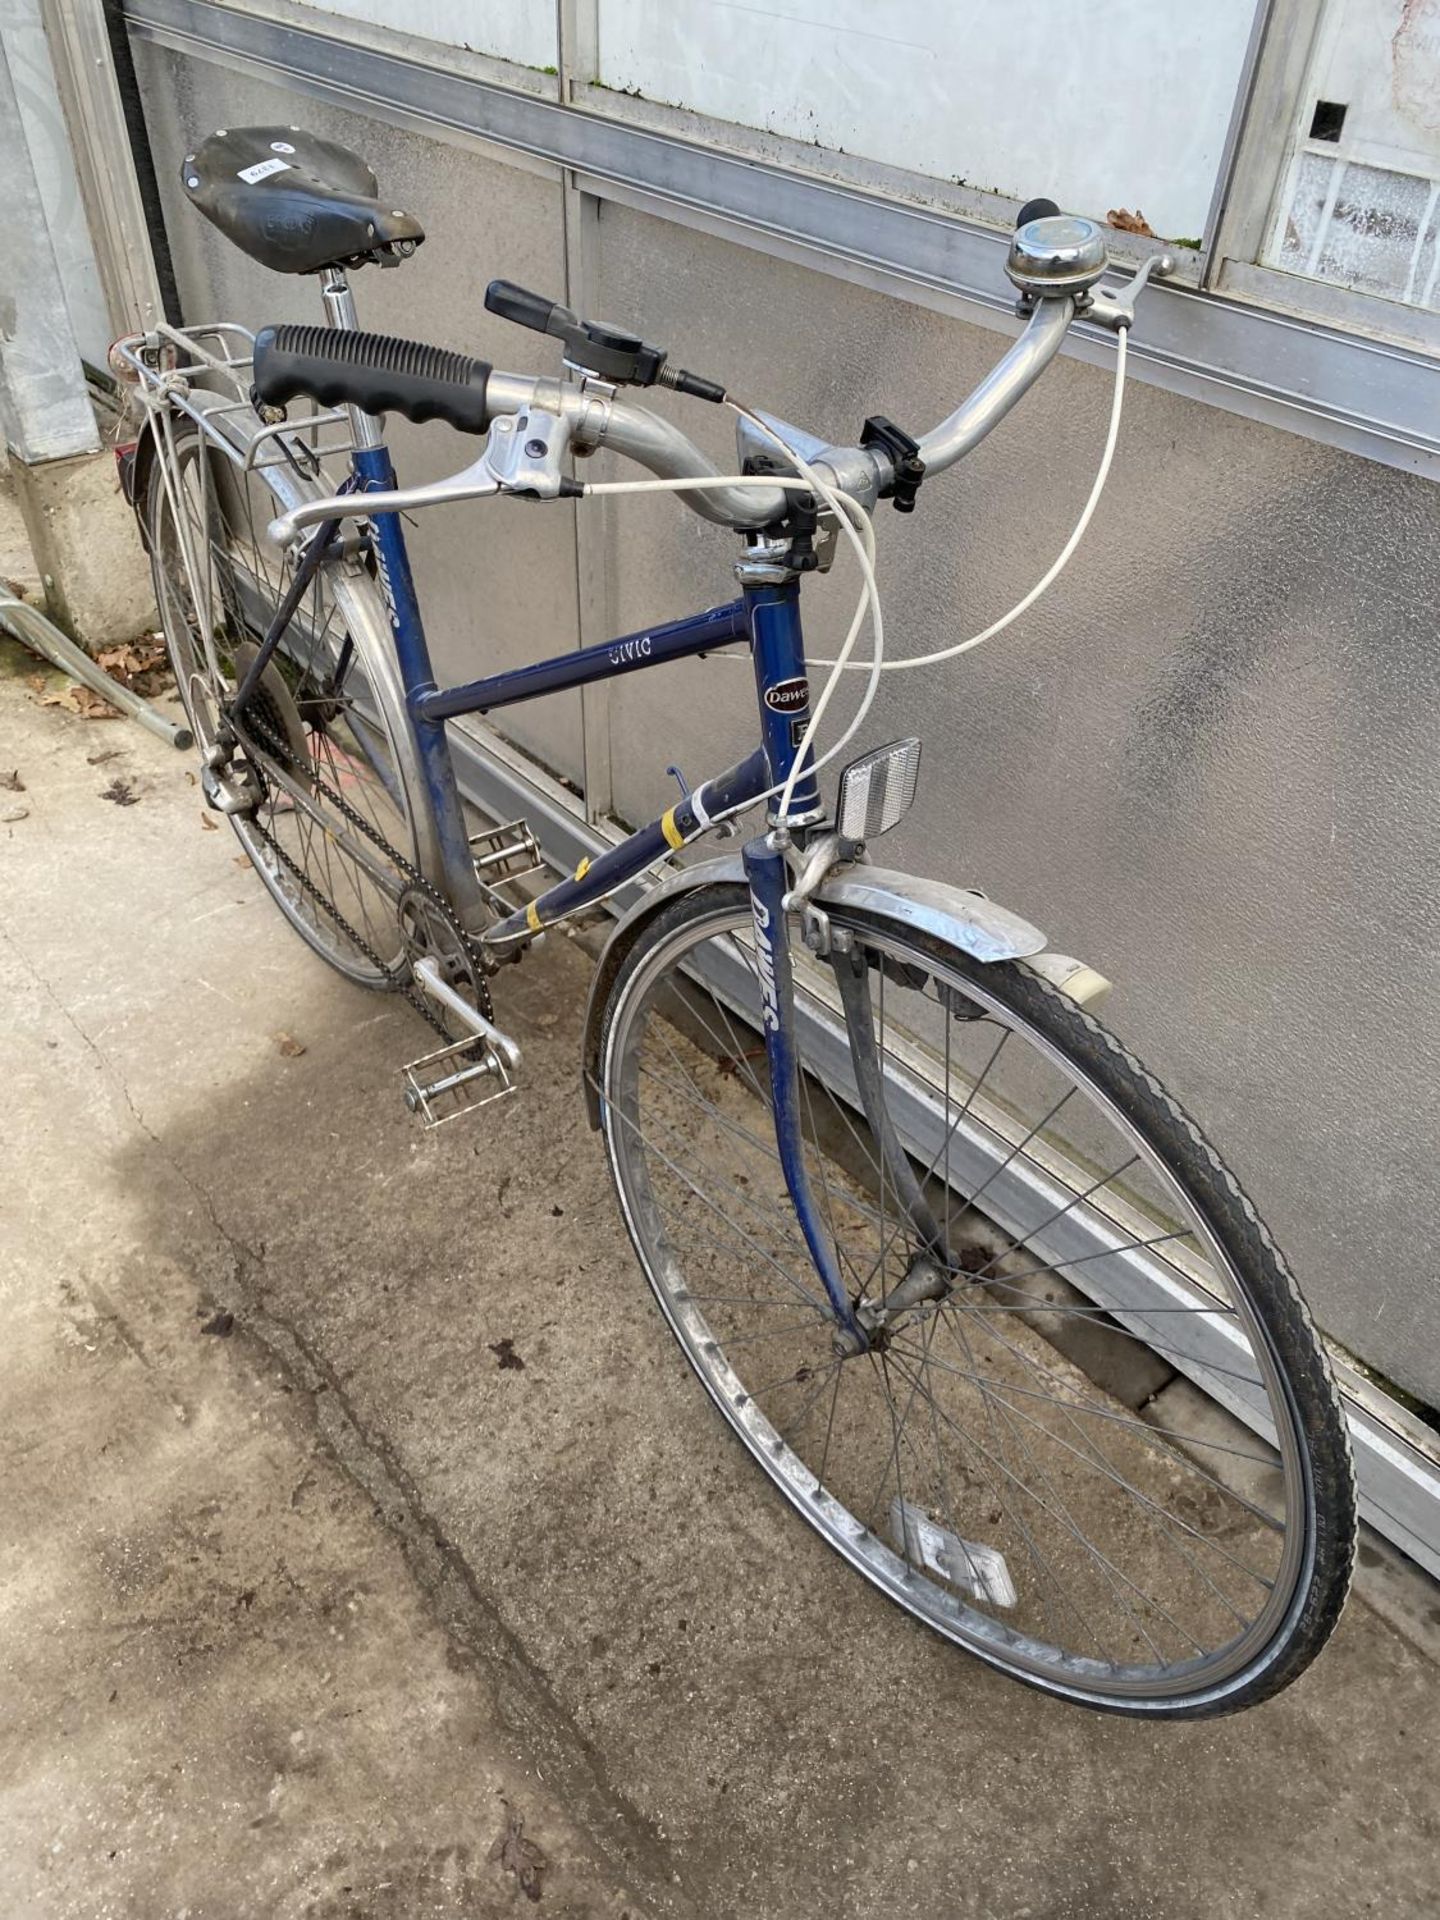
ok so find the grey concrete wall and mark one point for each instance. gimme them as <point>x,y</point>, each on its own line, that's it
<point>1207,762</point>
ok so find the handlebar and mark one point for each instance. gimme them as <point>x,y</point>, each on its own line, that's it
<point>1055,261</point>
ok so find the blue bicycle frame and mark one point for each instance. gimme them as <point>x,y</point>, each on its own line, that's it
<point>767,619</point>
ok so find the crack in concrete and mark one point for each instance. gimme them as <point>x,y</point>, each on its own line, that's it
<point>539,1725</point>
<point>107,1065</point>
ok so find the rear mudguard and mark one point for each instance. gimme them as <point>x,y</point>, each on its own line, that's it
<point>133,463</point>
<point>968,920</point>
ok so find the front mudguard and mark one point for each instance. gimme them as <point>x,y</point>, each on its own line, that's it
<point>967,920</point>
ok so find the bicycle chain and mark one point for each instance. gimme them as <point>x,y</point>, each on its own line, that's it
<point>411,874</point>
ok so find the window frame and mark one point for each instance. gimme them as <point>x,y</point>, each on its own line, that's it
<point>1268,134</point>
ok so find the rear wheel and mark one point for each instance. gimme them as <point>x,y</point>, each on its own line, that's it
<point>1066,1290</point>
<point>321,747</point>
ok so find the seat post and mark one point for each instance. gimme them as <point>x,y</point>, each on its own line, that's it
<point>339,301</point>
<point>340,313</point>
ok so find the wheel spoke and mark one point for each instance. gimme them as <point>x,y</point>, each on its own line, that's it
<point>216,586</point>
<point>961,1460</point>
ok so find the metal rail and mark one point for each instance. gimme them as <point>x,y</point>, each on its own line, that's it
<point>1245,358</point>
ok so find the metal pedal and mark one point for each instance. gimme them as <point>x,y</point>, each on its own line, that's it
<point>440,1086</point>
<point>470,1073</point>
<point>510,852</point>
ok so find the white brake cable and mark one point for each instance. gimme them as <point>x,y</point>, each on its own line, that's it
<point>855,523</point>
<point>1062,559</point>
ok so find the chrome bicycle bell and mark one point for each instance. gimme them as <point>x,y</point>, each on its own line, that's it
<point>1059,253</point>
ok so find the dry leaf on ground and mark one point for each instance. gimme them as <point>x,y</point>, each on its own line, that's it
<point>121,792</point>
<point>141,664</point>
<point>287,1044</point>
<point>11,782</point>
<point>518,1855</point>
<point>82,700</point>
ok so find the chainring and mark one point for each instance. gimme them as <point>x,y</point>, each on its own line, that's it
<point>430,931</point>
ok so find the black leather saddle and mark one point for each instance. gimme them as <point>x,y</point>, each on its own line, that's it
<point>296,203</point>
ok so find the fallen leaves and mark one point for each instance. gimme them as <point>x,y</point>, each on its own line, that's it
<point>82,700</point>
<point>142,665</point>
<point>121,792</point>
<point>287,1044</point>
<point>518,1855</point>
<point>505,1355</point>
<point>9,815</point>
<point>209,823</point>
<point>11,782</point>
<point>1129,222</point>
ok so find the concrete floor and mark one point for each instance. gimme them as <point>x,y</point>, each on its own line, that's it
<point>289,1617</point>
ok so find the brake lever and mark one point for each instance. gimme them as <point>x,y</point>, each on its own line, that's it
<point>524,455</point>
<point>1116,310</point>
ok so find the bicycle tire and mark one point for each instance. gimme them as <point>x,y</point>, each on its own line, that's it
<point>1319,1491</point>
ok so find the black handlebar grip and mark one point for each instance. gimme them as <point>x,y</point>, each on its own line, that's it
<point>526,309</point>
<point>1035,210</point>
<point>372,371</point>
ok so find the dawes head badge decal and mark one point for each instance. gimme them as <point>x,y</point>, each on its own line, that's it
<point>788,696</point>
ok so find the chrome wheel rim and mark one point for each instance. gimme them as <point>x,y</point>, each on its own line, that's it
<point>893,1555</point>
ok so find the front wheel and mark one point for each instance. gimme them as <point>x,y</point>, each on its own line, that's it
<point>1094,1438</point>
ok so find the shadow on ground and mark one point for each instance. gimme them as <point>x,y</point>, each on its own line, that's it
<point>793,1743</point>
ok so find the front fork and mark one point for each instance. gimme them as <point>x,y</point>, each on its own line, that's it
<point>926,1273</point>
<point>768,876</point>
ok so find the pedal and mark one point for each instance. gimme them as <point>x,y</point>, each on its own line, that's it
<point>440,1086</point>
<point>510,852</point>
<point>469,1073</point>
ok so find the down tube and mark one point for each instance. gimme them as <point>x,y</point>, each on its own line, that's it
<point>377,475</point>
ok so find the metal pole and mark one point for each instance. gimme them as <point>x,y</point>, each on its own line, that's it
<point>122,232</point>
<point>30,627</point>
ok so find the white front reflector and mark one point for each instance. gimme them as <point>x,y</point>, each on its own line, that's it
<point>878,789</point>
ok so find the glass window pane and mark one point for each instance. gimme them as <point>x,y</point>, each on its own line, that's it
<point>1358,199</point>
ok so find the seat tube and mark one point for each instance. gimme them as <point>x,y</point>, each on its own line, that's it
<point>375,473</point>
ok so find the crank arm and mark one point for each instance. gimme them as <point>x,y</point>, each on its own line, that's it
<point>432,983</point>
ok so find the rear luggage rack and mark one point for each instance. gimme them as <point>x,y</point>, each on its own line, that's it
<point>207,372</point>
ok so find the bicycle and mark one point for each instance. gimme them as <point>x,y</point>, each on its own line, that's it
<point>893,1186</point>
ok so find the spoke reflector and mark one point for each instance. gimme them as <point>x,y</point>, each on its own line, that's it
<point>977,1570</point>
